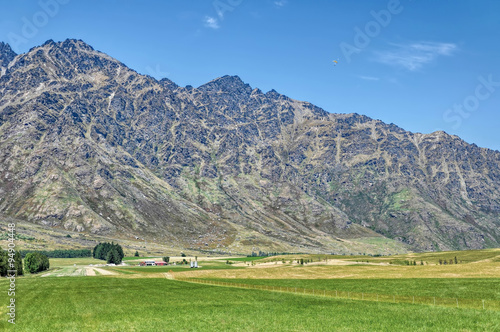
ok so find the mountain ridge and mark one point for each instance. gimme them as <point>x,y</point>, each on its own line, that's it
<point>90,145</point>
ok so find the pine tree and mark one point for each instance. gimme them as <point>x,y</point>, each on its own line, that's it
<point>113,257</point>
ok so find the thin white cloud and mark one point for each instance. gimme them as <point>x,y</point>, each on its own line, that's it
<point>280,3</point>
<point>220,13</point>
<point>369,78</point>
<point>211,22</point>
<point>415,55</point>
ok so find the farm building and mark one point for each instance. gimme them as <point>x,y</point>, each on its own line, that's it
<point>147,263</point>
<point>152,263</point>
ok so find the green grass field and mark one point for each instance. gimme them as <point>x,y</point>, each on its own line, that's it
<point>118,304</point>
<point>72,261</point>
<point>469,288</point>
<point>140,259</point>
<point>143,299</point>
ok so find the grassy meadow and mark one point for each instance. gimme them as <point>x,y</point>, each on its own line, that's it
<point>122,304</point>
<point>133,298</point>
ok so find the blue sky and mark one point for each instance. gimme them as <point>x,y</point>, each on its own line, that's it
<point>422,65</point>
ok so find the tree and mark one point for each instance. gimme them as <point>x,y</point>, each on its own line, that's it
<point>97,252</point>
<point>456,260</point>
<point>120,252</point>
<point>10,260</point>
<point>18,263</point>
<point>61,253</point>
<point>102,250</point>
<point>3,262</point>
<point>36,262</point>
<point>113,257</point>
<point>166,259</point>
<point>136,254</point>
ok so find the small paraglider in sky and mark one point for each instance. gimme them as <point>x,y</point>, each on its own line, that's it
<point>335,62</point>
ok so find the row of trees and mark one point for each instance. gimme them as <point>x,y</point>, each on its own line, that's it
<point>68,253</point>
<point>267,254</point>
<point>110,252</point>
<point>451,261</point>
<point>405,262</point>
<point>10,260</point>
<point>36,262</point>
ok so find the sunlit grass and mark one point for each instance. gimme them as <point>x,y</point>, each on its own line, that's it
<point>444,288</point>
<point>117,304</point>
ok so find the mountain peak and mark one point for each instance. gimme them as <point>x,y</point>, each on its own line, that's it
<point>6,54</point>
<point>68,43</point>
<point>68,59</point>
<point>227,83</point>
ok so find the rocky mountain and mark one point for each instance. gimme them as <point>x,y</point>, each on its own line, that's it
<point>89,145</point>
<point>6,56</point>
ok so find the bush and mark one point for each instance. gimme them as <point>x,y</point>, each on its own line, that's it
<point>36,262</point>
<point>136,254</point>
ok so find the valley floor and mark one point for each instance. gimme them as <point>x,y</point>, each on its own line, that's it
<point>329,293</point>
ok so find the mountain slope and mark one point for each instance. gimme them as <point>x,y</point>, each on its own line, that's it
<point>88,144</point>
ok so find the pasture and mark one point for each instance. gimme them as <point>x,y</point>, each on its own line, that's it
<point>133,298</point>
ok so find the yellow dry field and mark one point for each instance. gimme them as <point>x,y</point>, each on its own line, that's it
<point>357,271</point>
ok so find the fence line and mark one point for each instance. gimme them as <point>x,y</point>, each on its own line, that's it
<point>411,299</point>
